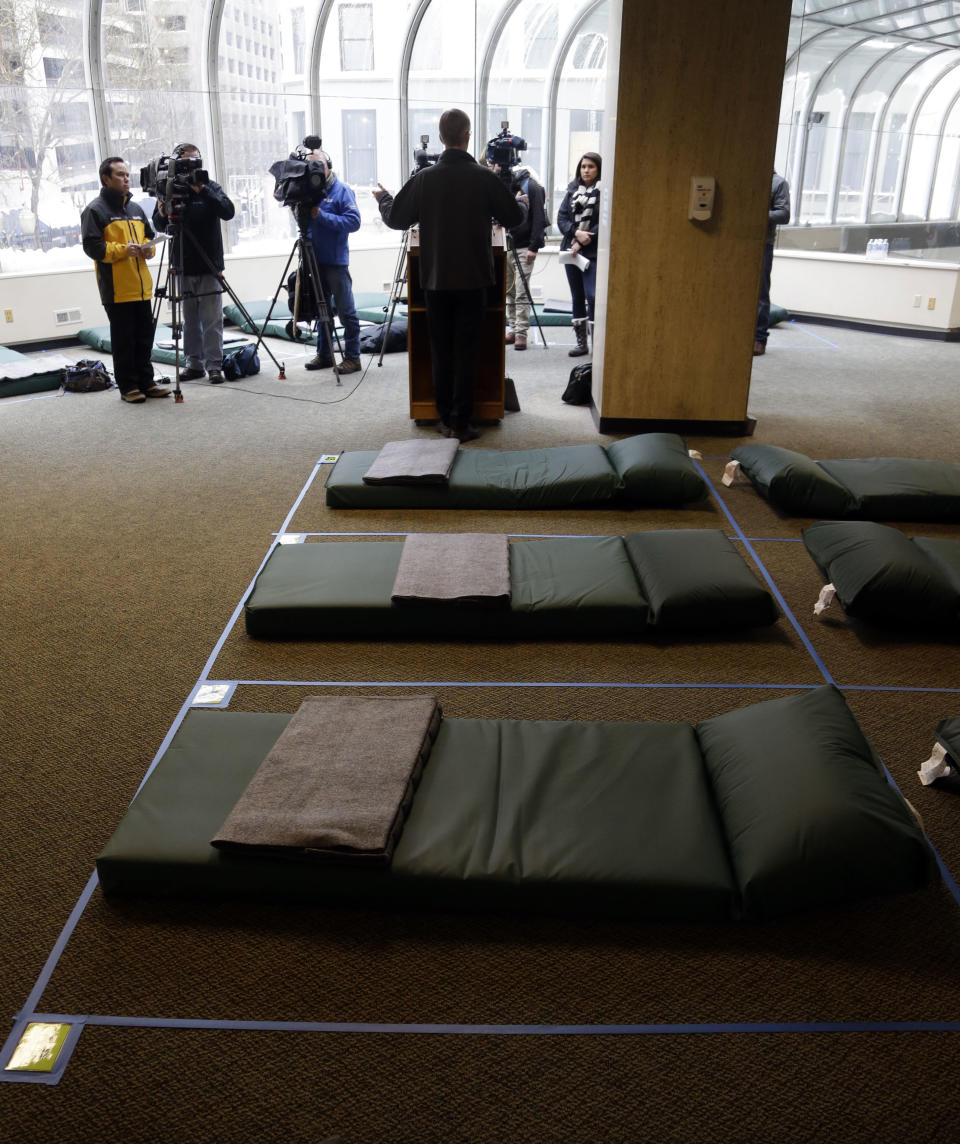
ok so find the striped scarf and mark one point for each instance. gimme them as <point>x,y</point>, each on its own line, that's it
<point>584,203</point>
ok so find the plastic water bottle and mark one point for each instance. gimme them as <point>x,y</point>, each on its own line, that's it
<point>872,248</point>
<point>884,248</point>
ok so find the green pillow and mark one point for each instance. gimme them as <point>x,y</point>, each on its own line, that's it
<point>656,468</point>
<point>695,578</point>
<point>900,488</point>
<point>808,815</point>
<point>793,482</point>
<point>880,574</point>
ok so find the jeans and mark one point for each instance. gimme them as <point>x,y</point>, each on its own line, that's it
<point>131,343</point>
<point>763,308</point>
<point>455,319</point>
<point>338,290</point>
<point>582,285</point>
<point>203,321</point>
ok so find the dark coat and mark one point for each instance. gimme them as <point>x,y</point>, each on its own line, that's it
<point>779,206</point>
<point>529,235</point>
<point>567,225</point>
<point>454,202</point>
<point>202,212</point>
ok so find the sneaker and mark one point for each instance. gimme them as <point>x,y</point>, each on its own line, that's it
<point>318,362</point>
<point>349,365</point>
<point>191,374</point>
<point>467,433</point>
<point>216,377</point>
<point>759,348</point>
<point>132,396</point>
<point>520,342</point>
<point>157,391</point>
<point>511,336</point>
<point>444,429</point>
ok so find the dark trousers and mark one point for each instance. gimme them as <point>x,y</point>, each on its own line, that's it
<point>131,342</point>
<point>582,285</point>
<point>763,309</point>
<point>455,320</point>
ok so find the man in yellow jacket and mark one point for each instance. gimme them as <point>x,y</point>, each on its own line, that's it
<point>117,236</point>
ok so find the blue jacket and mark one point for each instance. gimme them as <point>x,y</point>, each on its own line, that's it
<point>337,218</point>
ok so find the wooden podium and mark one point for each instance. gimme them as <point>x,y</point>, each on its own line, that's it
<point>488,397</point>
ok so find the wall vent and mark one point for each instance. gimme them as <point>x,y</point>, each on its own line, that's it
<point>67,317</point>
<point>536,293</point>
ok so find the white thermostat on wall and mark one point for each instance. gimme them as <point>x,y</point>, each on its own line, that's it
<point>702,191</point>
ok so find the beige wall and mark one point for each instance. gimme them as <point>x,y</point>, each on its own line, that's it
<point>698,92</point>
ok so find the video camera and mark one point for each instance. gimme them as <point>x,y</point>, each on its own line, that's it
<point>422,157</point>
<point>170,177</point>
<point>503,151</point>
<point>300,181</point>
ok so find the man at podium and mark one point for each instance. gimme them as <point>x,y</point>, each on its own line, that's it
<point>453,202</point>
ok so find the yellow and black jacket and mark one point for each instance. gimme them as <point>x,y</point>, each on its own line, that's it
<point>106,226</point>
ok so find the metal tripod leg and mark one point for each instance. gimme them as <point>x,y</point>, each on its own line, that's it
<point>521,277</point>
<point>399,281</point>
<point>309,261</point>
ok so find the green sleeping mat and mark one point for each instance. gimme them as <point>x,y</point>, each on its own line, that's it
<point>370,308</point>
<point>649,469</point>
<point>636,820</point>
<point>605,587</point>
<point>868,488</point>
<point>33,382</point>
<point>99,338</point>
<point>885,577</point>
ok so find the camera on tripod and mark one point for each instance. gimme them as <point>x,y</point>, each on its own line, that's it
<point>422,157</point>
<point>300,181</point>
<point>170,177</point>
<point>503,151</point>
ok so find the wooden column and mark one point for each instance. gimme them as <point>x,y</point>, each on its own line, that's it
<point>697,93</point>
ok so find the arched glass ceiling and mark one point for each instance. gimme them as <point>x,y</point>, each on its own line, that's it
<point>869,89</point>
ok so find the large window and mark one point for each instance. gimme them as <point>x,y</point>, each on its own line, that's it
<point>360,148</point>
<point>356,37</point>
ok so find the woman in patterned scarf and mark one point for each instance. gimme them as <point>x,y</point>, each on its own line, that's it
<point>579,220</point>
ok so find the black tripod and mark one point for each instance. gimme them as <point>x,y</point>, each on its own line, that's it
<point>308,270</point>
<point>521,277</point>
<point>396,292</point>
<point>172,289</point>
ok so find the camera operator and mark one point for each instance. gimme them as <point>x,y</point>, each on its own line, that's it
<point>334,217</point>
<point>199,211</point>
<point>527,240</point>
<point>116,235</point>
<point>453,201</point>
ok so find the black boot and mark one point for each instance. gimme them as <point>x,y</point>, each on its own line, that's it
<point>580,329</point>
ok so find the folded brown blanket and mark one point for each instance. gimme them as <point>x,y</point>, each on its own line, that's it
<point>338,783</point>
<point>416,462</point>
<point>466,568</point>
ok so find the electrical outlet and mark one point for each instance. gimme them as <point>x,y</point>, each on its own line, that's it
<point>8,315</point>
<point>916,301</point>
<point>931,303</point>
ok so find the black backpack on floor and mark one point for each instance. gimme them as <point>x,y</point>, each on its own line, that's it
<point>86,377</point>
<point>578,385</point>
